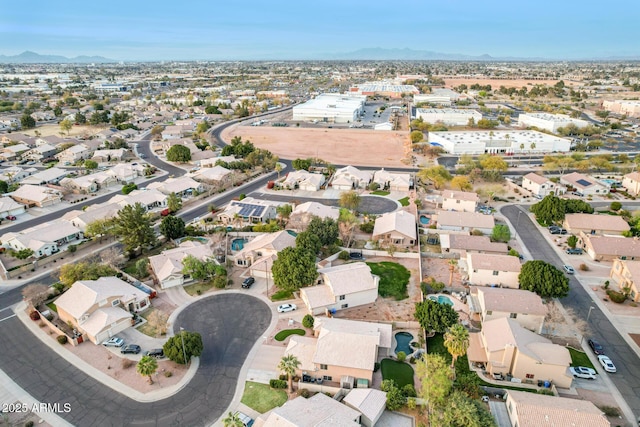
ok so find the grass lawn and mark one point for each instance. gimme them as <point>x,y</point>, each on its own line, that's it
<point>380,193</point>
<point>580,358</point>
<point>404,201</point>
<point>52,306</point>
<point>282,335</point>
<point>393,279</point>
<point>281,296</point>
<point>148,329</point>
<point>200,286</point>
<point>261,397</point>
<point>401,373</point>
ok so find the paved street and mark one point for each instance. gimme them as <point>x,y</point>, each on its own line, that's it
<point>230,324</point>
<point>627,379</point>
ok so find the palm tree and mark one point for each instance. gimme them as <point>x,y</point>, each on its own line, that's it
<point>288,365</point>
<point>278,169</point>
<point>531,148</point>
<point>456,340</point>
<point>232,420</point>
<point>452,266</point>
<point>147,366</point>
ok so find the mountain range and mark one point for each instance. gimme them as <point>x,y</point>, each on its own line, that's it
<point>28,57</point>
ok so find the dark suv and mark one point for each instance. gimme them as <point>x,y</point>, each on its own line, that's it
<point>158,353</point>
<point>246,283</point>
<point>596,347</point>
<point>574,251</point>
<point>130,349</point>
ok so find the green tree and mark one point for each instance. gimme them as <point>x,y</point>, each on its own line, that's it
<point>326,229</point>
<point>175,351</point>
<point>416,136</point>
<point>494,163</point>
<point>201,269</point>
<point>350,200</point>
<point>128,188</point>
<point>552,209</point>
<point>172,227</point>
<point>4,187</point>
<point>395,398</point>
<point>487,124</point>
<point>461,182</point>
<point>293,269</point>
<point>66,125</point>
<point>80,118</point>
<point>544,279</point>
<point>156,132</point>
<point>572,241</point>
<point>133,226</point>
<point>301,164</point>
<point>142,267</point>
<point>501,233</point>
<point>615,206</point>
<point>99,227</point>
<point>22,253</point>
<point>57,111</point>
<point>309,242</point>
<point>438,175</point>
<point>232,419</point>
<point>284,212</point>
<point>90,164</point>
<point>435,378</point>
<point>179,153</point>
<point>212,109</point>
<point>308,321</point>
<point>147,366</point>
<point>435,317</point>
<point>174,202</point>
<point>461,411</point>
<point>27,122</point>
<point>71,273</point>
<point>288,366</point>
<point>456,341</point>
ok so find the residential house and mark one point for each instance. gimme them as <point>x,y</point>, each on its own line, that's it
<point>505,347</point>
<point>8,206</point>
<point>182,186</point>
<point>540,186</point>
<point>303,180</point>
<point>89,183</point>
<point>46,176</point>
<point>74,153</point>
<point>150,199</point>
<point>213,161</point>
<point>370,402</point>
<point>82,218</point>
<point>608,248</point>
<point>610,225</point>
<point>13,152</point>
<point>465,221</point>
<point>16,174</point>
<point>303,213</point>
<point>258,254</point>
<point>340,287</point>
<point>34,195</point>
<point>99,309</point>
<point>459,201</point>
<point>212,175</point>
<point>248,211</point>
<point>463,244</point>
<point>525,307</point>
<point>626,274</point>
<point>167,266</point>
<point>342,351</point>
<point>584,184</point>
<point>393,181</point>
<point>40,152</point>
<point>491,269</point>
<point>176,131</point>
<point>535,410</point>
<point>631,183</point>
<point>43,239</point>
<point>395,228</point>
<point>318,410</point>
<point>350,178</point>
<point>126,172</point>
<point>103,156</point>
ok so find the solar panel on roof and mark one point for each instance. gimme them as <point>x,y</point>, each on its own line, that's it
<point>245,211</point>
<point>583,182</point>
<point>258,210</point>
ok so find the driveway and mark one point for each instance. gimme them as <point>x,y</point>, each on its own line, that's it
<point>230,325</point>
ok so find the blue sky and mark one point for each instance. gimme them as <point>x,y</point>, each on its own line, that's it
<point>214,29</point>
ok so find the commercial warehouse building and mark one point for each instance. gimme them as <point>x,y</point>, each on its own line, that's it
<point>550,122</point>
<point>499,142</point>
<point>448,116</point>
<point>629,108</point>
<point>331,108</point>
<point>444,97</point>
<point>384,89</point>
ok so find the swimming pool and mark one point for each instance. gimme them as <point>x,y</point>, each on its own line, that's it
<point>424,220</point>
<point>441,299</point>
<point>237,244</point>
<point>403,341</point>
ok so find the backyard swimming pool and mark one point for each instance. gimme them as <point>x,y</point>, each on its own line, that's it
<point>237,244</point>
<point>424,220</point>
<point>441,299</point>
<point>403,341</point>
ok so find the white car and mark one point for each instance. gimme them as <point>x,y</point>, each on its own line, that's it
<point>568,269</point>
<point>582,372</point>
<point>113,342</point>
<point>607,364</point>
<point>284,308</point>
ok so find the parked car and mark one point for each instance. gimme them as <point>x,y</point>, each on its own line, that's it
<point>569,269</point>
<point>557,230</point>
<point>246,283</point>
<point>130,349</point>
<point>11,217</point>
<point>574,251</point>
<point>246,420</point>
<point>113,342</point>
<point>596,347</point>
<point>284,308</point>
<point>158,353</point>
<point>606,363</point>
<point>583,372</point>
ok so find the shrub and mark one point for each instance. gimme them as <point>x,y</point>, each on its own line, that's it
<point>367,227</point>
<point>29,424</point>
<point>583,267</point>
<point>409,390</point>
<point>277,383</point>
<point>282,377</point>
<point>34,315</point>
<point>615,296</point>
<point>344,255</point>
<point>376,367</point>
<point>411,403</point>
<point>72,248</point>
<point>402,356</point>
<point>168,374</point>
<point>305,393</point>
<point>307,321</point>
<point>412,360</point>
<point>127,363</point>
<point>62,339</point>
<point>610,411</point>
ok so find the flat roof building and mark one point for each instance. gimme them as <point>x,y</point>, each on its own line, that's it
<point>331,108</point>
<point>384,89</point>
<point>550,122</point>
<point>629,108</point>
<point>437,96</point>
<point>448,116</point>
<point>498,142</point>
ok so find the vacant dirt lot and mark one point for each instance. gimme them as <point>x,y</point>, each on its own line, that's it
<point>356,147</point>
<point>496,83</point>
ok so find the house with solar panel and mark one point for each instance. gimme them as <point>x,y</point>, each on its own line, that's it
<point>584,185</point>
<point>248,211</point>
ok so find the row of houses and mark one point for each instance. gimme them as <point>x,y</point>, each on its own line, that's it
<point>348,178</point>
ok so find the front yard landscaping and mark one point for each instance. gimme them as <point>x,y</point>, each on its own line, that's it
<point>394,279</point>
<point>400,372</point>
<point>198,288</point>
<point>404,201</point>
<point>261,397</point>
<point>282,295</point>
<point>380,193</point>
<point>282,335</point>
<point>580,358</point>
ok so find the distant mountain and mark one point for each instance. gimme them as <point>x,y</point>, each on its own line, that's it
<point>28,57</point>
<point>382,54</point>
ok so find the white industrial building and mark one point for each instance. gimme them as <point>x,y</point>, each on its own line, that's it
<point>629,108</point>
<point>550,122</point>
<point>384,88</point>
<point>437,96</point>
<point>499,142</point>
<point>331,108</point>
<point>448,116</point>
